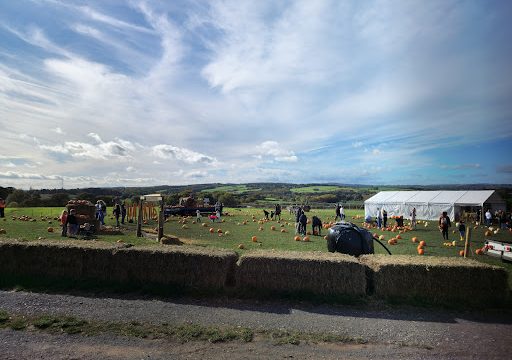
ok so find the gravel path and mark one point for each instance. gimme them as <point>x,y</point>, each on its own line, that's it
<point>430,332</point>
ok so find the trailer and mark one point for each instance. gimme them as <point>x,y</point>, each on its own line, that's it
<point>498,249</point>
<point>187,211</point>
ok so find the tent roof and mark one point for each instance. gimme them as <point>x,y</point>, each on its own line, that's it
<point>468,198</point>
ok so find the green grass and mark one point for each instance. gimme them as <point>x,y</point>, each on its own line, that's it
<point>318,189</point>
<point>185,332</point>
<point>235,189</point>
<point>236,233</point>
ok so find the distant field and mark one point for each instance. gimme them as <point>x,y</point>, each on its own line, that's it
<point>323,189</point>
<point>235,189</point>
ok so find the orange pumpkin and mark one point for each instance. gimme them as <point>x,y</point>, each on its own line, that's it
<point>297,238</point>
<point>254,239</point>
<point>461,253</point>
<point>423,243</point>
<point>272,228</point>
<point>241,246</point>
<point>306,238</point>
<point>219,231</point>
<point>421,251</point>
<point>212,230</point>
<point>50,229</point>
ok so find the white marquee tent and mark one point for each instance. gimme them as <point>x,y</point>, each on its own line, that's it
<point>430,204</point>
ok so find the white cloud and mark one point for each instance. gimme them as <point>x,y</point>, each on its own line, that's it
<point>164,151</point>
<point>274,150</point>
<point>59,131</point>
<point>99,151</point>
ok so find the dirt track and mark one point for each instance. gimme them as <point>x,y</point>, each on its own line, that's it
<point>390,332</point>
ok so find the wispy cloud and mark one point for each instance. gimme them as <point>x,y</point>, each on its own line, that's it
<point>460,166</point>
<point>255,91</point>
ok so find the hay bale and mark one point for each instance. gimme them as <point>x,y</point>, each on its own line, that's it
<point>40,259</point>
<point>437,280</point>
<point>197,268</point>
<point>318,273</point>
<point>170,240</point>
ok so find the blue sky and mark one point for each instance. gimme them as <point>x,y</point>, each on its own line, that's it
<point>134,93</point>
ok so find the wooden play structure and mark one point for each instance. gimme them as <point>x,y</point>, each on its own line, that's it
<point>147,210</point>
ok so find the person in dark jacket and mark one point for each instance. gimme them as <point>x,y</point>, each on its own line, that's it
<point>123,213</point>
<point>303,220</point>
<point>277,212</point>
<point>444,224</point>
<point>316,224</point>
<point>72,223</point>
<point>117,213</point>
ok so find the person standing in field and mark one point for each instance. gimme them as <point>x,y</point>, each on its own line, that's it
<point>337,212</point>
<point>444,224</point>
<point>198,216</point>
<point>2,208</point>
<point>117,213</point>
<point>303,220</point>
<point>413,218</point>
<point>462,230</point>
<point>379,218</point>
<point>123,213</point>
<point>63,220</point>
<point>277,212</point>
<point>384,217</point>
<point>72,223</point>
<point>342,213</point>
<point>488,218</point>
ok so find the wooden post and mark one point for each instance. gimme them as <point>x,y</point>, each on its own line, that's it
<point>161,221</point>
<point>467,245</point>
<point>139,220</point>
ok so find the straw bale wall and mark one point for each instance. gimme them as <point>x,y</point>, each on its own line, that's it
<point>205,269</point>
<point>324,273</point>
<point>437,280</point>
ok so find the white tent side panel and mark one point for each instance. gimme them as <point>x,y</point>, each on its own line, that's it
<point>430,204</point>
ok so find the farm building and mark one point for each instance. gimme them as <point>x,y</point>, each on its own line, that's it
<point>430,204</point>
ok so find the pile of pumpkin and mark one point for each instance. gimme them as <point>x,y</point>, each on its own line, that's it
<point>421,245</point>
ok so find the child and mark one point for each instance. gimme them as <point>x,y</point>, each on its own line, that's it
<point>198,216</point>
<point>462,230</point>
<point>212,217</point>
<point>63,219</point>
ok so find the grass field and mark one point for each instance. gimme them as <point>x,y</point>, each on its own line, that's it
<point>236,189</point>
<point>238,227</point>
<point>318,189</point>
